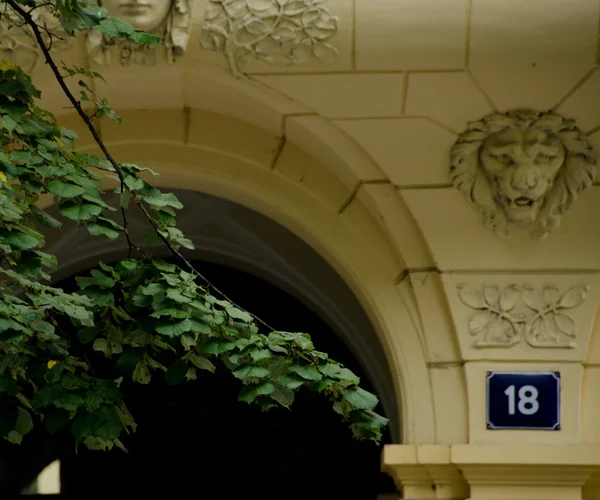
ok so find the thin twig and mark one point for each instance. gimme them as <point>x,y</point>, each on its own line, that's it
<point>38,36</point>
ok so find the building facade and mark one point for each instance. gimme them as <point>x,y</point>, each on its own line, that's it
<point>439,157</point>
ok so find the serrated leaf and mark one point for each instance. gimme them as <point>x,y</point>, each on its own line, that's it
<point>19,240</point>
<point>307,372</point>
<point>201,362</point>
<point>176,373</point>
<point>96,229</point>
<point>171,312</point>
<point>64,189</point>
<point>100,296</point>
<point>141,373</point>
<point>360,399</point>
<point>161,265</point>
<point>172,329</point>
<point>251,391</point>
<point>217,347</point>
<point>251,371</point>
<point>79,210</point>
<point>130,358</point>
<point>283,395</point>
<point>56,419</point>
<point>44,218</point>
<point>30,264</point>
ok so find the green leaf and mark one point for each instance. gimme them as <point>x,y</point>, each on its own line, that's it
<point>64,189</point>
<point>102,279</point>
<point>251,371</point>
<point>56,420</point>
<point>47,259</point>
<point>290,382</point>
<point>130,358</point>
<point>176,373</point>
<point>251,391</point>
<point>172,312</point>
<point>79,210</point>
<point>154,288</point>
<point>97,229</point>
<point>217,347</point>
<point>9,385</point>
<point>260,354</point>
<point>360,399</point>
<point>283,395</point>
<point>68,401</point>
<point>201,362</point>
<point>102,297</point>
<point>103,423</point>
<point>8,123</point>
<point>44,218</point>
<point>8,419</point>
<point>19,240</point>
<point>307,372</point>
<point>24,423</point>
<point>173,329</point>
<point>177,296</point>
<point>333,370</point>
<point>236,313</point>
<point>141,373</point>
<point>144,38</point>
<point>161,265</point>
<point>29,264</point>
<point>191,374</point>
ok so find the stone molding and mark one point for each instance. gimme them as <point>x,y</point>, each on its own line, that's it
<point>481,472</point>
<point>522,168</point>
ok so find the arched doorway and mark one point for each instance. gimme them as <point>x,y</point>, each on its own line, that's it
<point>307,451</point>
<point>198,438</point>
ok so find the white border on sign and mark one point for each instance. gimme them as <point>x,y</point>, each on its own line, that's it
<point>491,426</point>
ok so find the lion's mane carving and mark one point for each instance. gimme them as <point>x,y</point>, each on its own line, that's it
<point>522,167</point>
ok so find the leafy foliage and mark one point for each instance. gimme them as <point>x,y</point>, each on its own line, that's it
<point>134,311</point>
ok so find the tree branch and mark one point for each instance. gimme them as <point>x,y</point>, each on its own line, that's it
<point>76,104</point>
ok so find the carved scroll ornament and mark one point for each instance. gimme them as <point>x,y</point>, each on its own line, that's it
<point>522,167</point>
<point>501,320</point>
<point>284,31</point>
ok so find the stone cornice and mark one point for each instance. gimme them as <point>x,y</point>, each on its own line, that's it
<point>470,471</point>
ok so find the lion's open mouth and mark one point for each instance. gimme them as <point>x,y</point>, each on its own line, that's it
<point>522,202</point>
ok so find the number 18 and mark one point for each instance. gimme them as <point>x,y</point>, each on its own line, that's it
<point>528,400</point>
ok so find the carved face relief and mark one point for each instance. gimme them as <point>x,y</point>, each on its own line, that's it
<point>521,167</point>
<point>145,15</point>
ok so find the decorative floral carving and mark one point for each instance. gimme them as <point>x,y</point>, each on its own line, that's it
<point>286,31</point>
<point>169,19</point>
<point>542,322</point>
<point>522,167</point>
<point>17,43</point>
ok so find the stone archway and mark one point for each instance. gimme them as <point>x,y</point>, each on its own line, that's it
<point>198,437</point>
<point>229,234</point>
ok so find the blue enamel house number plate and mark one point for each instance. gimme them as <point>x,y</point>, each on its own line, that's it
<point>523,400</point>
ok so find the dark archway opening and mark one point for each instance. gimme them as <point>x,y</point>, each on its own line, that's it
<point>197,439</point>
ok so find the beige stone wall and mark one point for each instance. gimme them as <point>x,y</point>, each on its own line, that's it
<point>352,156</point>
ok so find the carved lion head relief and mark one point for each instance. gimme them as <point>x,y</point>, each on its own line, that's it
<point>522,167</point>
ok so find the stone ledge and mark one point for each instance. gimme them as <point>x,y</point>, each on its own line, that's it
<point>494,472</point>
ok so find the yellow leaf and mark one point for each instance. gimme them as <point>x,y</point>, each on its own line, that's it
<point>51,363</point>
<point>3,177</point>
<point>60,143</point>
<point>6,65</point>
